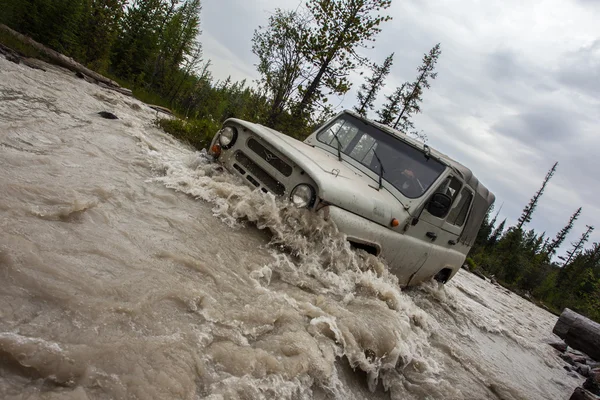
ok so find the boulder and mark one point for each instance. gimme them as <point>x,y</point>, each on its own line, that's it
<point>107,115</point>
<point>582,394</point>
<point>583,370</point>
<point>560,346</point>
<point>592,383</point>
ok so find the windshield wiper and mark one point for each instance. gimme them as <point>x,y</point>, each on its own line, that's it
<point>381,169</point>
<point>339,146</point>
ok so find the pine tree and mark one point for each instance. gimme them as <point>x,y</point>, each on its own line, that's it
<point>528,210</point>
<point>391,107</point>
<point>340,28</point>
<point>497,234</point>
<point>368,91</point>
<point>578,246</point>
<point>412,98</point>
<point>562,234</point>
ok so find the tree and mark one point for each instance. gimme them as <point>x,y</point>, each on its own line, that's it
<point>391,107</point>
<point>137,44</point>
<point>281,62</point>
<point>340,28</point>
<point>412,97</point>
<point>497,234</point>
<point>562,234</point>
<point>578,246</point>
<point>528,210</point>
<point>99,31</point>
<point>368,91</point>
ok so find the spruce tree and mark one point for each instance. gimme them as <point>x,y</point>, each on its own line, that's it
<point>391,107</point>
<point>578,245</point>
<point>497,234</point>
<point>368,91</point>
<point>562,234</point>
<point>412,97</point>
<point>528,210</point>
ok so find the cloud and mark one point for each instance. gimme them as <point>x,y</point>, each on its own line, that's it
<point>581,69</point>
<point>518,89</point>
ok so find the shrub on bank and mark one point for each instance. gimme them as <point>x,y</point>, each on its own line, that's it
<point>197,133</point>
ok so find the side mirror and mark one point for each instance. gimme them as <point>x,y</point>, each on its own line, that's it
<point>439,205</point>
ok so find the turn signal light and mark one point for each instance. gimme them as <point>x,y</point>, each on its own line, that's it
<point>395,222</point>
<point>216,150</point>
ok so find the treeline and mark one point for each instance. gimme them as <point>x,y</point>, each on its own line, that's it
<point>151,46</point>
<point>526,261</point>
<point>305,58</point>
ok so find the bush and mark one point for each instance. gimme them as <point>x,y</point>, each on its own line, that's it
<point>198,133</point>
<point>472,266</point>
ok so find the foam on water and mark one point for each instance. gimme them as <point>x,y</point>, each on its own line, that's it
<point>135,267</point>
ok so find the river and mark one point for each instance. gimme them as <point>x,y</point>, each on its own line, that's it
<point>132,267</point>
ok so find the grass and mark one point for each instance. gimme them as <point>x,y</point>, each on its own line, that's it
<point>197,133</point>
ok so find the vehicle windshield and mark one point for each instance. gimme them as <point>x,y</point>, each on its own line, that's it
<point>405,167</point>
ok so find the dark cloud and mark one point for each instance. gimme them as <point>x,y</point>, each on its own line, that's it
<point>581,69</point>
<point>503,65</point>
<point>540,125</point>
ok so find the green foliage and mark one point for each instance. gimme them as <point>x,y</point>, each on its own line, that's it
<point>197,133</point>
<point>391,107</point>
<point>528,210</point>
<point>281,63</point>
<point>562,234</point>
<point>413,92</point>
<point>339,29</point>
<point>471,264</point>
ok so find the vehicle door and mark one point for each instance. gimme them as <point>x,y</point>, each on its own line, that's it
<point>426,233</point>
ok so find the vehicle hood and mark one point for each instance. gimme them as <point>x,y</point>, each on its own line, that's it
<point>338,182</point>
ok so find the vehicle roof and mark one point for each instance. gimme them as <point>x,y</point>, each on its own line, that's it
<point>483,197</point>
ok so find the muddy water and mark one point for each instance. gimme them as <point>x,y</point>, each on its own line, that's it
<point>132,267</point>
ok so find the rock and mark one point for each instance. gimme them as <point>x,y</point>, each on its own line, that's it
<point>592,383</point>
<point>568,358</point>
<point>134,106</point>
<point>567,368</point>
<point>583,370</point>
<point>107,115</point>
<point>582,394</point>
<point>560,346</point>
<point>83,76</point>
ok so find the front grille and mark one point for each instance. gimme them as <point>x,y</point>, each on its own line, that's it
<point>270,157</point>
<point>267,180</point>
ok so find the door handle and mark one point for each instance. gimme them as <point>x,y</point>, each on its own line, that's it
<point>451,242</point>
<point>431,235</point>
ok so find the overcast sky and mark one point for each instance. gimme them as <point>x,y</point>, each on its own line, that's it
<point>518,89</point>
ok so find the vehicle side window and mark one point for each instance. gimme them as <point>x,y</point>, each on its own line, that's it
<point>451,187</point>
<point>458,214</point>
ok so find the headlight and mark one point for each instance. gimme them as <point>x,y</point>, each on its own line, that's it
<point>302,196</point>
<point>228,137</point>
